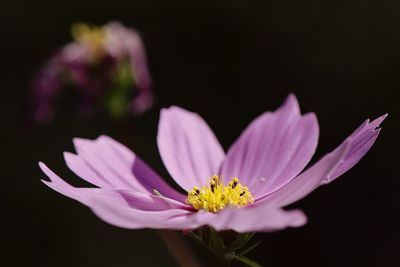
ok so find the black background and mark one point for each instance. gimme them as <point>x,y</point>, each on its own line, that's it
<point>229,61</point>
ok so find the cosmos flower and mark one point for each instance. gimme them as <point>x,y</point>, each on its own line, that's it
<point>243,190</point>
<point>106,65</point>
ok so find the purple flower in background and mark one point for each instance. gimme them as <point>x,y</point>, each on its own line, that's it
<point>263,171</point>
<point>106,65</point>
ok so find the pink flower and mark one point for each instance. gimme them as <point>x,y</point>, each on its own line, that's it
<point>266,163</point>
<point>107,68</point>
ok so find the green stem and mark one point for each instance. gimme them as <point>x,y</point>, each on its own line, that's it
<point>246,261</point>
<point>179,250</point>
<point>222,261</point>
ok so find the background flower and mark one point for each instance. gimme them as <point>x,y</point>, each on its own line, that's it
<point>106,66</point>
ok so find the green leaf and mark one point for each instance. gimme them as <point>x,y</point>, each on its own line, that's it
<point>250,248</point>
<point>197,239</point>
<point>200,233</point>
<point>240,241</point>
<point>215,242</point>
<point>194,236</point>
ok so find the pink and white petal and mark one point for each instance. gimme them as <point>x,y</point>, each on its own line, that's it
<point>263,218</point>
<point>189,149</point>
<point>273,149</point>
<point>109,164</point>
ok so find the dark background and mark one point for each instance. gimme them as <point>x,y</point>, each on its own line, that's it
<point>229,61</point>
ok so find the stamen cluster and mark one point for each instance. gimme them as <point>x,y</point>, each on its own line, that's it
<point>215,196</point>
<point>93,37</point>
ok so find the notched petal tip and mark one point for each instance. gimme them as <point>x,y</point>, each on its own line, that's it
<point>79,143</point>
<point>299,219</point>
<point>45,182</point>
<point>291,97</point>
<point>311,115</point>
<point>176,111</point>
<point>105,138</point>
<point>312,118</point>
<point>172,107</point>
<point>376,124</point>
<point>44,169</point>
<point>291,103</point>
<point>68,155</point>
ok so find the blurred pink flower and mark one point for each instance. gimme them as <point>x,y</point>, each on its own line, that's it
<point>108,67</point>
<point>269,158</point>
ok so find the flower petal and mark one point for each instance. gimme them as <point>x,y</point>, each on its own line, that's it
<point>125,216</point>
<point>134,199</point>
<point>83,170</point>
<point>109,164</point>
<point>306,182</point>
<point>362,140</point>
<point>263,218</point>
<point>128,209</point>
<point>329,167</point>
<point>62,187</point>
<point>147,202</point>
<point>189,149</point>
<point>273,149</point>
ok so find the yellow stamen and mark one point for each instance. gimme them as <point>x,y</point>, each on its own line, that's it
<point>215,196</point>
<point>91,36</point>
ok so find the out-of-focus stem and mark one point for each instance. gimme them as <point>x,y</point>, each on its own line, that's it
<point>179,250</point>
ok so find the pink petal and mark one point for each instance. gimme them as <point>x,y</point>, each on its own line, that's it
<point>264,218</point>
<point>128,209</point>
<point>147,202</point>
<point>189,149</point>
<point>83,170</point>
<point>306,182</point>
<point>62,187</point>
<point>329,167</point>
<point>273,149</point>
<point>133,199</point>
<point>125,216</point>
<point>361,141</point>
<point>109,164</point>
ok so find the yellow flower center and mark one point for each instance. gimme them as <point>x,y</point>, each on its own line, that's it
<point>91,36</point>
<point>215,196</point>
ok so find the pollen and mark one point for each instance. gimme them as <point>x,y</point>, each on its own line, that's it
<point>215,196</point>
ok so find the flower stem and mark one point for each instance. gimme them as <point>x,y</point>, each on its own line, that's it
<point>179,250</point>
<point>222,261</point>
<point>226,246</point>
